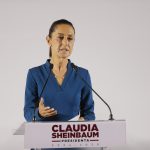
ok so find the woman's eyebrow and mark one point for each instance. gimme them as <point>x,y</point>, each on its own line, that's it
<point>63,34</point>
<point>60,33</point>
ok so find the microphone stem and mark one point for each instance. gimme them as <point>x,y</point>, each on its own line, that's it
<point>34,118</point>
<point>37,103</point>
<point>111,115</point>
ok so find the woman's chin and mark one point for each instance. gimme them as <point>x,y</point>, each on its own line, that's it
<point>64,55</point>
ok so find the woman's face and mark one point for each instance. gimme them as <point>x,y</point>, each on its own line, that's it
<point>62,41</point>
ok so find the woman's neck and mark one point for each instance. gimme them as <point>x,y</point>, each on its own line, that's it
<point>59,64</point>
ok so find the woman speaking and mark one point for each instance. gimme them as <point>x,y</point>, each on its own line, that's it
<point>56,86</point>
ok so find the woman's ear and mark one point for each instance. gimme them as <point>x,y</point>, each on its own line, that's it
<point>48,40</point>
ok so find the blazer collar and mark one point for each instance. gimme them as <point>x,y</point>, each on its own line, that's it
<point>49,65</point>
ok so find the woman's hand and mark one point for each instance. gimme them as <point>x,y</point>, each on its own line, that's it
<point>81,119</point>
<point>46,111</point>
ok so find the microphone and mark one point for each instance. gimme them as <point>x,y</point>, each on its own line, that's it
<point>76,70</point>
<point>37,102</point>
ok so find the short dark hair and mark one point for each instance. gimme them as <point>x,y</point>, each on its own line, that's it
<point>53,27</point>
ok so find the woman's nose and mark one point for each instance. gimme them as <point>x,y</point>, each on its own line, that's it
<point>65,41</point>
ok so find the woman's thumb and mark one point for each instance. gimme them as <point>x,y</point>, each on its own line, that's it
<point>41,101</point>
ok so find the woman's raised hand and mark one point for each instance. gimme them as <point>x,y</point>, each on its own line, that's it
<point>46,111</point>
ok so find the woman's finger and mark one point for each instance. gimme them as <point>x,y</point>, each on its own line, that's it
<point>48,111</point>
<point>41,103</point>
<point>50,114</point>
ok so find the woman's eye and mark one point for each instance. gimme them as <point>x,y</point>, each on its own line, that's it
<point>61,37</point>
<point>70,39</point>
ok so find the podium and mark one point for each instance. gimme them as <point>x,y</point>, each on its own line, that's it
<point>73,134</point>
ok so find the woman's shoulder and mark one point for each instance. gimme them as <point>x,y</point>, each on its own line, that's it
<point>37,69</point>
<point>82,71</point>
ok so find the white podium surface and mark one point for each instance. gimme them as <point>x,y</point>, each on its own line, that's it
<point>75,134</point>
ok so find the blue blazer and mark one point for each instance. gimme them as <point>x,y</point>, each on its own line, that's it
<point>73,97</point>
